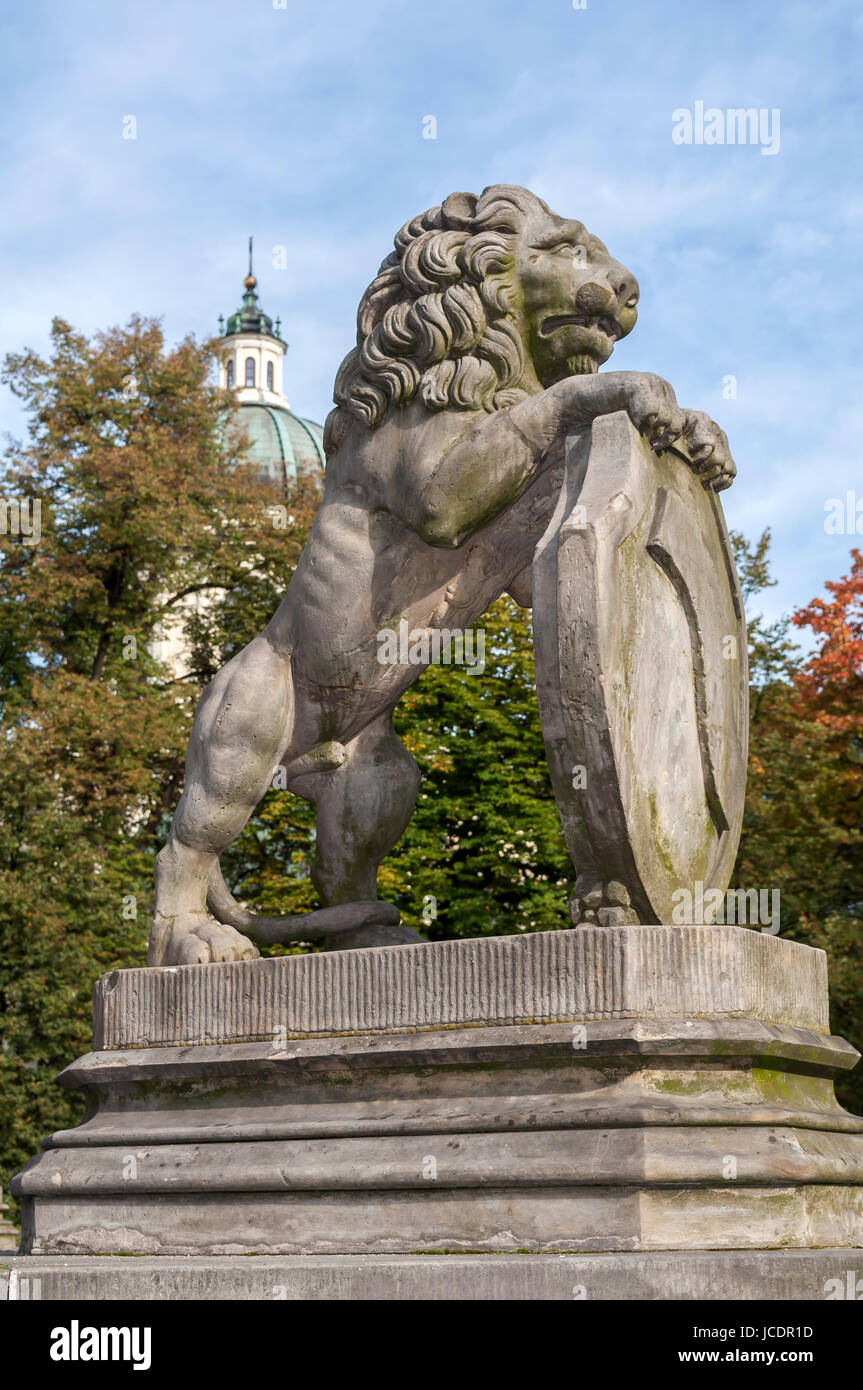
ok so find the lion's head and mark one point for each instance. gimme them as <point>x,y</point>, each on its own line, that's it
<point>484,301</point>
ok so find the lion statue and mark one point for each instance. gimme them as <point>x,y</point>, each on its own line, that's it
<point>478,348</point>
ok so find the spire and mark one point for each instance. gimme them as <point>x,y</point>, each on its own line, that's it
<point>251,317</point>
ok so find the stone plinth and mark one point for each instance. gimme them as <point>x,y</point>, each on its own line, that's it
<point>694,1276</point>
<point>593,974</point>
<point>638,1089</point>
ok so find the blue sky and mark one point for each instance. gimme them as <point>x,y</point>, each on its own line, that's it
<point>304,126</point>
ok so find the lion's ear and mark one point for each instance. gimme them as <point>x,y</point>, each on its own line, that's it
<point>459,210</point>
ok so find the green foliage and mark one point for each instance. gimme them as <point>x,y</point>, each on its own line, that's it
<point>802,828</point>
<point>485,843</point>
<point>145,508</point>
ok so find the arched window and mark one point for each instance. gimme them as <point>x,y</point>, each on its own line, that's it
<point>230,376</point>
<point>269,376</point>
<point>250,371</point>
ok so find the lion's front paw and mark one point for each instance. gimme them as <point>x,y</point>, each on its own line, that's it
<point>194,938</point>
<point>601,904</point>
<point>706,448</point>
<point>652,407</point>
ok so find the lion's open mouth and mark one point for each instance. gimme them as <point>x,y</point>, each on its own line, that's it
<point>610,327</point>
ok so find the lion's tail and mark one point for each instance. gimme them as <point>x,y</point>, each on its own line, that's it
<point>302,926</point>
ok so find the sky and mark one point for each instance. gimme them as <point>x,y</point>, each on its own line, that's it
<point>307,125</point>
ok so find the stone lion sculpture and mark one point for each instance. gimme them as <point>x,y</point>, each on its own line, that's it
<point>478,348</point>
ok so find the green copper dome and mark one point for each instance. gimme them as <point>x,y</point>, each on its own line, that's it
<point>284,446</point>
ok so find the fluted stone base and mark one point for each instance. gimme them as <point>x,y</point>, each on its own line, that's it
<point>651,1089</point>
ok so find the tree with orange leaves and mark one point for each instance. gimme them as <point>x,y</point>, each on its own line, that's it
<point>803,829</point>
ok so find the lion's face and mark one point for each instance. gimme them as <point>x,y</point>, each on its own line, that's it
<point>576,300</point>
<point>483,301</point>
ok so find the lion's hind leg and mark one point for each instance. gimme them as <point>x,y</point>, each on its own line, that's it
<point>363,807</point>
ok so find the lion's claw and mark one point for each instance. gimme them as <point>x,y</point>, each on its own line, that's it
<point>194,938</point>
<point>706,449</point>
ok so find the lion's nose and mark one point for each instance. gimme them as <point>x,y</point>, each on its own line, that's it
<point>594,299</point>
<point>624,283</point>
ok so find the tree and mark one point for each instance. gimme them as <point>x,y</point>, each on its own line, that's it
<point>802,828</point>
<point>142,503</point>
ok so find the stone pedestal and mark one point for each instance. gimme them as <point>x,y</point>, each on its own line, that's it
<point>649,1091</point>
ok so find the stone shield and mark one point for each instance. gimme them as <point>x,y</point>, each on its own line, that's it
<point>641,662</point>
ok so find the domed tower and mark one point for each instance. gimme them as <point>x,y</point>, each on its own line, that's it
<point>285,445</point>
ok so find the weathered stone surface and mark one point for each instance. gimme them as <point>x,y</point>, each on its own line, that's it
<point>399,1124</point>
<point>479,341</point>
<point>598,1075</point>
<point>546,1158</point>
<point>640,641</point>
<point>612,1133</point>
<point>591,973</point>
<point>593,1218</point>
<point>731,1276</point>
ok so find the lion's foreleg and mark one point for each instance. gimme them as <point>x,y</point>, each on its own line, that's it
<point>240,731</point>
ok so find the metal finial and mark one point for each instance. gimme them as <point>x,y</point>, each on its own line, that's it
<point>250,282</point>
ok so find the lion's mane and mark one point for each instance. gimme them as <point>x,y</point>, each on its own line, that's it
<point>438,319</point>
